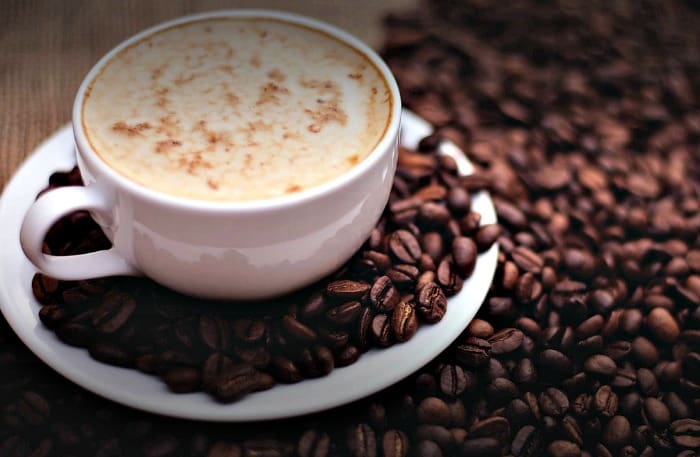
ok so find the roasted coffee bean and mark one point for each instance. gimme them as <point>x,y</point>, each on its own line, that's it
<point>454,380</point>
<point>495,369</point>
<point>686,433</point>
<point>525,373</point>
<point>553,363</point>
<point>576,383</point>
<point>480,328</point>
<point>342,314</point>
<point>506,341</point>
<point>433,245</point>
<point>224,449</point>
<point>404,247</point>
<point>518,413</point>
<point>431,302</point>
<point>678,408</point>
<point>631,321</point>
<point>235,382</point>
<point>617,432</point>
<point>259,357</point>
<point>464,254</point>
<point>572,430</point>
<point>216,365</point>
<point>345,289</point>
<point>314,443</point>
<point>481,447</point>
<point>395,444</point>
<point>655,413</point>
<point>630,404</point>
<point>52,315</point>
<point>267,446</point>
<point>436,433</point>
<point>215,332</point>
<point>526,443</point>
<point>486,236</point>
<point>601,366</point>
<point>591,345</point>
<point>528,289</point>
<point>501,391</point>
<point>163,445</point>
<point>44,287</point>
<point>299,331</point>
<point>363,335</point>
<point>605,401</point>
<point>347,356</point>
<point>691,366</point>
<point>182,379</point>
<point>646,380</point>
<point>335,338</point>
<point>562,448</point>
<point>316,361</point>
<point>494,427</point>
<point>433,215</point>
<point>557,337</point>
<point>31,410</point>
<point>448,278</point>
<point>426,448</point>
<point>426,384</point>
<point>383,295</point>
<point>603,300</point>
<point>624,379</point>
<point>404,322</point>
<point>618,350</point>
<point>285,370</point>
<point>582,404</point>
<point>527,260</point>
<point>662,325</point>
<point>252,330</point>
<point>432,410</point>
<point>111,353</point>
<point>644,352</point>
<point>381,260</point>
<point>473,352</point>
<point>381,330</point>
<point>313,307</point>
<point>553,402</point>
<point>362,441</point>
<point>115,310</point>
<point>404,276</point>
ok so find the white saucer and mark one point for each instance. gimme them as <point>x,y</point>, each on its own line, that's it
<point>374,370</point>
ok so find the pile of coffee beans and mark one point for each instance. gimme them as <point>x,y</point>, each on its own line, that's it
<point>583,119</point>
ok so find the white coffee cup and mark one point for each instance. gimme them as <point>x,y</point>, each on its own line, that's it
<point>239,250</point>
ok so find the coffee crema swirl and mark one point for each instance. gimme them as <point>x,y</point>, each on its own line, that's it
<point>236,109</point>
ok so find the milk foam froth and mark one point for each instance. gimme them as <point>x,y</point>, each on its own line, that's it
<point>236,109</point>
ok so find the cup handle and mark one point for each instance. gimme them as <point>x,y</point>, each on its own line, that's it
<point>48,209</point>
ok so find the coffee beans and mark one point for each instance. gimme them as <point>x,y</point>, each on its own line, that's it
<point>431,302</point>
<point>662,325</point>
<point>600,365</point>
<point>473,352</point>
<point>384,295</point>
<point>686,433</point>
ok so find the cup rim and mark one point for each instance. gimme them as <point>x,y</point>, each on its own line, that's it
<point>385,145</point>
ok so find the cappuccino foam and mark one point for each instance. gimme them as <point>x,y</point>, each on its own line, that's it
<point>236,109</point>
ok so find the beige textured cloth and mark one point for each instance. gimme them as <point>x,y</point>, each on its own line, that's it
<point>47,47</point>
